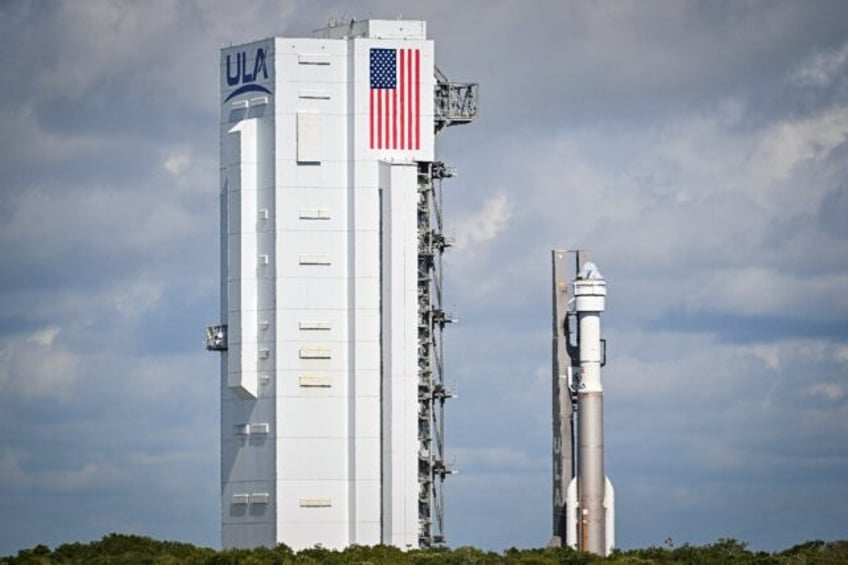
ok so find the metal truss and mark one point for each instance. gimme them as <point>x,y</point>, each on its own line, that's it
<point>455,102</point>
<point>432,319</point>
<point>216,338</point>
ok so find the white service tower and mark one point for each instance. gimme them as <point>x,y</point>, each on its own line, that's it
<point>331,387</point>
<point>583,497</point>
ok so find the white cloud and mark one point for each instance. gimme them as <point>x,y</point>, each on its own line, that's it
<point>192,172</point>
<point>45,337</point>
<point>841,353</point>
<point>768,353</point>
<point>34,367</point>
<point>176,163</point>
<point>136,297</point>
<point>486,224</point>
<point>829,391</point>
<point>787,145</point>
<point>763,291</point>
<point>823,68</point>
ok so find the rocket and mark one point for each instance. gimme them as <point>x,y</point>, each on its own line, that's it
<point>583,497</point>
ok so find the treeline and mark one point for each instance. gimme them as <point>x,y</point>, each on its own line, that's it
<point>119,549</point>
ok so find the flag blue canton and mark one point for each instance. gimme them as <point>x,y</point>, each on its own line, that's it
<point>383,68</point>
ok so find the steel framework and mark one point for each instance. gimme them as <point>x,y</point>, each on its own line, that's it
<point>432,319</point>
<point>455,102</point>
<point>216,338</point>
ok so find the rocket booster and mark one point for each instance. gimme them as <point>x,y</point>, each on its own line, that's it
<point>589,497</point>
<point>589,292</point>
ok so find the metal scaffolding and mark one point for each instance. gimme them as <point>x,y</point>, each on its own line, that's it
<point>216,338</point>
<point>432,319</point>
<point>455,104</point>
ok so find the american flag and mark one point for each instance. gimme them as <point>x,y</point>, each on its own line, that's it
<point>395,105</point>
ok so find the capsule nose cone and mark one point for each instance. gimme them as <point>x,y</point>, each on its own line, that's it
<point>590,271</point>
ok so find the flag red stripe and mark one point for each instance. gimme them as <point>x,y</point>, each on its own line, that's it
<point>386,123</point>
<point>401,114</point>
<point>394,118</point>
<point>408,79</point>
<point>391,94</point>
<point>371,120</point>
<point>379,119</point>
<point>417,78</point>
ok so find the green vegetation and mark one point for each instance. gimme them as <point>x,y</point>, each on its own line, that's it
<point>119,549</point>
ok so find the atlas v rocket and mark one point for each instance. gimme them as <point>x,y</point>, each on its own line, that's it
<point>583,497</point>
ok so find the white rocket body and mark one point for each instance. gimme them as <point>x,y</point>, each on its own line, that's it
<point>589,498</point>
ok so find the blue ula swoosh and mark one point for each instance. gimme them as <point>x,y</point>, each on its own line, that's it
<point>247,88</point>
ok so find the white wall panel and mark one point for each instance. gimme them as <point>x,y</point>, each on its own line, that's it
<point>368,288</point>
<point>310,137</point>
<point>367,209</point>
<point>368,383</point>
<point>400,307</point>
<point>367,356</point>
<point>367,324</point>
<point>316,417</point>
<point>312,458</point>
<point>302,325</point>
<point>310,209</point>
<point>330,245</point>
<point>327,174</point>
<point>288,383</point>
<point>296,293</point>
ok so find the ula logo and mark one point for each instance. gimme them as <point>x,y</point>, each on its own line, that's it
<point>238,73</point>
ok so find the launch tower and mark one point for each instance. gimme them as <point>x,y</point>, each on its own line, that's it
<point>332,384</point>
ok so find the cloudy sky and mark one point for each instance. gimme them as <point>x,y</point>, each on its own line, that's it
<point>697,148</point>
